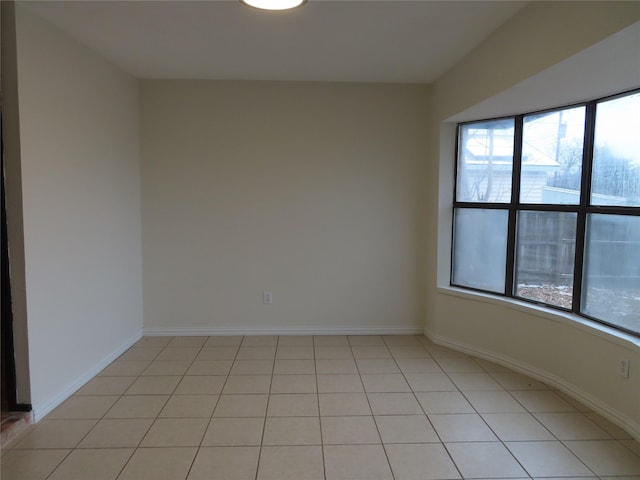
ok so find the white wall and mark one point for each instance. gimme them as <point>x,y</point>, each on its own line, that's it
<point>81,206</point>
<point>311,191</point>
<point>578,357</point>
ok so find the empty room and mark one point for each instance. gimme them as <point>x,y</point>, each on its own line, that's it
<point>327,240</point>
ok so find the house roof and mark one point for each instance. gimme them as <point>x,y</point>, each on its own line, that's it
<point>478,152</point>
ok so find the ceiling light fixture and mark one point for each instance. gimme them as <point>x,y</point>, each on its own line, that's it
<point>274,4</point>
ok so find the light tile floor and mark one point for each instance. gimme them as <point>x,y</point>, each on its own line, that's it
<point>325,408</point>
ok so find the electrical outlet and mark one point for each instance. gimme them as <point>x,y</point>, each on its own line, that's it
<point>623,368</point>
<point>267,298</point>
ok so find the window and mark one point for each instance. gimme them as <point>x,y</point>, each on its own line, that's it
<point>547,209</point>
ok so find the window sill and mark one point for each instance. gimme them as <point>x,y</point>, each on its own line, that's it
<point>575,321</point>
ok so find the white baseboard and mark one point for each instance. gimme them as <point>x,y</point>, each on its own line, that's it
<point>221,331</point>
<point>43,409</point>
<point>613,415</point>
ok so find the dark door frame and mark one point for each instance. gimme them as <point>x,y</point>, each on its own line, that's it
<point>8,353</point>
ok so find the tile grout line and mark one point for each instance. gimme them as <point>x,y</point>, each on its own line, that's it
<point>459,390</point>
<point>266,411</point>
<point>373,418</point>
<point>204,433</point>
<point>142,375</point>
<point>153,421</point>
<point>453,462</point>
<point>504,442</point>
<point>315,370</point>
<point>133,449</point>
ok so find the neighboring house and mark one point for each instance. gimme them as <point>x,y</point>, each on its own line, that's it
<point>488,162</point>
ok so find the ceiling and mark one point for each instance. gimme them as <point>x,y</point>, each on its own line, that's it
<point>608,67</point>
<point>354,41</point>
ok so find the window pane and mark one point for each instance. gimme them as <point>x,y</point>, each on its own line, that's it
<point>552,157</point>
<point>480,248</point>
<point>545,252</point>
<point>611,279</point>
<point>616,156</point>
<point>485,162</point>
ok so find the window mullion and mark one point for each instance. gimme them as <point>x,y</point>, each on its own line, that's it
<point>585,196</point>
<point>515,200</point>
